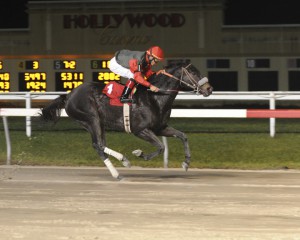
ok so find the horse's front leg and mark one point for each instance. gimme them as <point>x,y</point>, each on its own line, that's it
<point>172,132</point>
<point>150,137</point>
<point>102,151</point>
<point>118,156</point>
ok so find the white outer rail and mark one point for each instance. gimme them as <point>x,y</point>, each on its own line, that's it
<point>28,97</point>
<point>271,97</point>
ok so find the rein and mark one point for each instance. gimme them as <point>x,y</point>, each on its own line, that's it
<point>194,84</point>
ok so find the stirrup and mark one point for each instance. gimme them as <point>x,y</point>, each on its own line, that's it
<point>127,100</point>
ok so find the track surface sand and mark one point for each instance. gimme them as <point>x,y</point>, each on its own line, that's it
<point>61,203</point>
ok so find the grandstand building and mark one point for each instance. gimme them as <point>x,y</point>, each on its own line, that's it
<point>75,39</point>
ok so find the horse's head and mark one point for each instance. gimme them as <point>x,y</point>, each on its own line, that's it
<point>191,79</point>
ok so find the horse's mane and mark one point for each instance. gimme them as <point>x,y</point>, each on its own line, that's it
<point>172,67</point>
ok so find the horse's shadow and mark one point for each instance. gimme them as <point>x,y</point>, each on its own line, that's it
<point>169,175</point>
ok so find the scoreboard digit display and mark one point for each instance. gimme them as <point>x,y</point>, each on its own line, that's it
<point>33,73</point>
<point>32,65</point>
<point>64,64</point>
<point>104,76</point>
<point>32,81</point>
<point>4,79</point>
<point>99,64</point>
<point>66,81</point>
<point>29,65</point>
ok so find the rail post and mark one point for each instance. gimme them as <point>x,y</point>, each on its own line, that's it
<point>166,152</point>
<point>28,118</point>
<point>272,120</point>
<point>8,144</point>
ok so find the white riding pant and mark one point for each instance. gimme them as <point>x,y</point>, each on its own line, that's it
<point>118,69</point>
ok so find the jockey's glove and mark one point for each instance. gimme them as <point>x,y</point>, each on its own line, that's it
<point>160,71</point>
<point>153,88</point>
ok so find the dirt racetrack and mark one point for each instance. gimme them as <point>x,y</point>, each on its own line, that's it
<point>61,203</point>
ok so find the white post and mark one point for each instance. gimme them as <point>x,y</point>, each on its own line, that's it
<point>272,120</point>
<point>8,144</point>
<point>166,152</point>
<point>28,119</point>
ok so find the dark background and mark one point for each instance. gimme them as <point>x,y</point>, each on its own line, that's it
<point>252,12</point>
<point>236,12</point>
<point>13,14</point>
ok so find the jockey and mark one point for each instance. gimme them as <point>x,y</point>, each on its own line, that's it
<point>136,66</point>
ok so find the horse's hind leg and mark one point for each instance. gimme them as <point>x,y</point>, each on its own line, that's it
<point>150,137</point>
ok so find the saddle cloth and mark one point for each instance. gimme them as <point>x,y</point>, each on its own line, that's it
<point>114,91</point>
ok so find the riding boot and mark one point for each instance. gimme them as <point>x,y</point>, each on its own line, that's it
<point>126,92</point>
<point>124,98</point>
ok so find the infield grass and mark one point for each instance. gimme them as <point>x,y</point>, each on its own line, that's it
<point>214,143</point>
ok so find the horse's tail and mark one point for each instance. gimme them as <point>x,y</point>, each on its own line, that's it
<point>53,110</point>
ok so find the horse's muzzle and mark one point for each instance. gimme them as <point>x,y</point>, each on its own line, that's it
<point>204,87</point>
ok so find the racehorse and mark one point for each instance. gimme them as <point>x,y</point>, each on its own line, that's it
<point>149,114</point>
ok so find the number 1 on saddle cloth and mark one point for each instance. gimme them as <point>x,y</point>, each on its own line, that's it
<point>114,91</point>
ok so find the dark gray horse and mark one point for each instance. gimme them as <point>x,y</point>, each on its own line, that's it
<point>149,115</point>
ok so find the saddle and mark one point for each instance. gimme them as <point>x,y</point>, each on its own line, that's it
<point>114,91</point>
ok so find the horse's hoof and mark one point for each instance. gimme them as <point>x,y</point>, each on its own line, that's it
<point>126,163</point>
<point>185,166</point>
<point>137,152</point>
<point>119,178</point>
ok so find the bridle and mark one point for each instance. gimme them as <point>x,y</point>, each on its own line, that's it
<point>193,83</point>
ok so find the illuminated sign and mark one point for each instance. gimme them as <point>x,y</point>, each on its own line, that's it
<point>99,64</point>
<point>32,81</point>
<point>4,76</point>
<point>103,76</point>
<point>29,65</point>
<point>4,82</point>
<point>66,81</point>
<point>64,64</point>
<point>42,74</point>
<point>4,79</point>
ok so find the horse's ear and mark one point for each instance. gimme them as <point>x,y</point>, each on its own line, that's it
<point>186,63</point>
<point>176,63</point>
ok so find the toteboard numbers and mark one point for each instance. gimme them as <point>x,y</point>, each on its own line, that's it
<point>29,65</point>
<point>100,64</point>
<point>66,81</point>
<point>35,73</point>
<point>64,64</point>
<point>32,81</point>
<point>4,79</point>
<point>103,76</point>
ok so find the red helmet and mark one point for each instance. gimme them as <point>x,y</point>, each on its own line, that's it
<point>156,52</point>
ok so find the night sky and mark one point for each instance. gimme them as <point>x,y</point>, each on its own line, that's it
<point>236,12</point>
